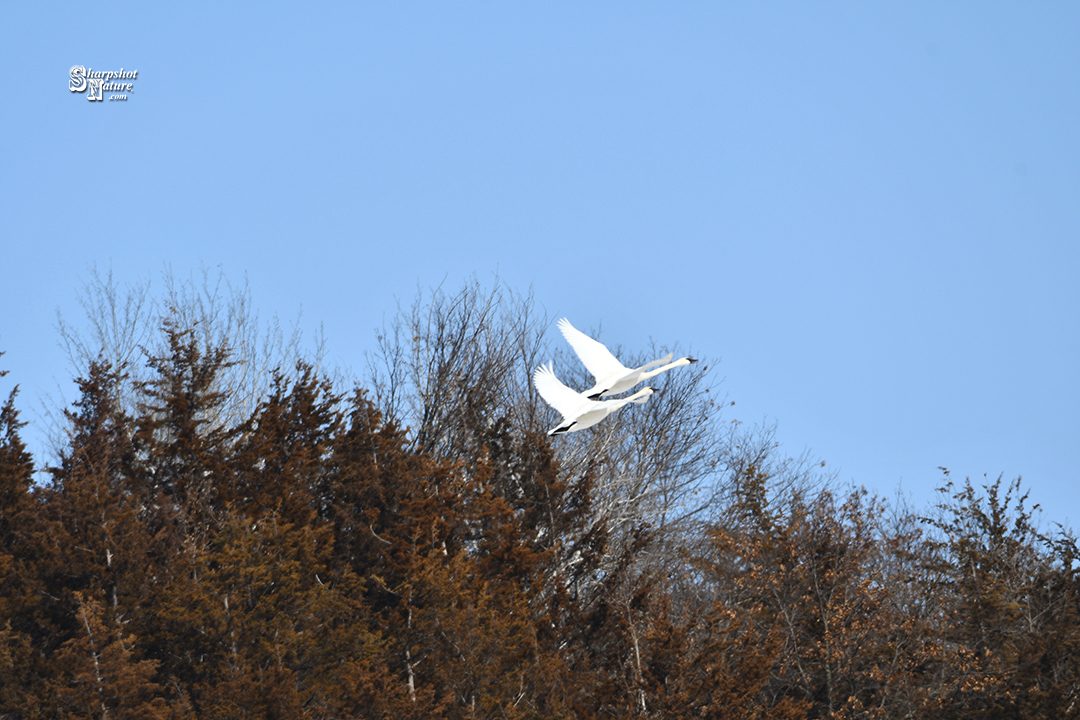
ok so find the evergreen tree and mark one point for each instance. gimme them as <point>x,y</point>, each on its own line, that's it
<point>181,440</point>
<point>279,459</point>
<point>21,540</point>
<point>99,674</point>
<point>104,564</point>
<point>16,476</point>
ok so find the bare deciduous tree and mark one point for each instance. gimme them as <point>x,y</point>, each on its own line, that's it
<point>452,366</point>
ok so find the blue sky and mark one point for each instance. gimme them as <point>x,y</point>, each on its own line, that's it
<point>866,216</point>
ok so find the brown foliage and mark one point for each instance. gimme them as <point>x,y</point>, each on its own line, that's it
<point>98,673</point>
<point>214,544</point>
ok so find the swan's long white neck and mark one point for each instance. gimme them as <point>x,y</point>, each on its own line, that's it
<point>639,397</point>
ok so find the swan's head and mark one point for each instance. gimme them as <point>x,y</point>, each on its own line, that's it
<point>642,395</point>
<point>689,360</point>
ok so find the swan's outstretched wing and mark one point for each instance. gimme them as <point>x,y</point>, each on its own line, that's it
<point>597,358</point>
<point>662,361</point>
<point>557,395</point>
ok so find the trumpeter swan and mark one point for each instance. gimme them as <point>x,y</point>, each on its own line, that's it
<point>578,411</point>
<point>612,377</point>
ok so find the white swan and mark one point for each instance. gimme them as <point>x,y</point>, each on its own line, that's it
<point>612,377</point>
<point>578,411</point>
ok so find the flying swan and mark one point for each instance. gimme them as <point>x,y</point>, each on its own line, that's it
<point>578,411</point>
<point>612,377</point>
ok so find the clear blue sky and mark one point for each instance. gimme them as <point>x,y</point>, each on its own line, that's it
<point>865,215</point>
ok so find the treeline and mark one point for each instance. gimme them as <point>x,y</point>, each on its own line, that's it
<point>221,536</point>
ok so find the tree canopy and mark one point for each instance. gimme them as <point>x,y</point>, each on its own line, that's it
<point>228,530</point>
